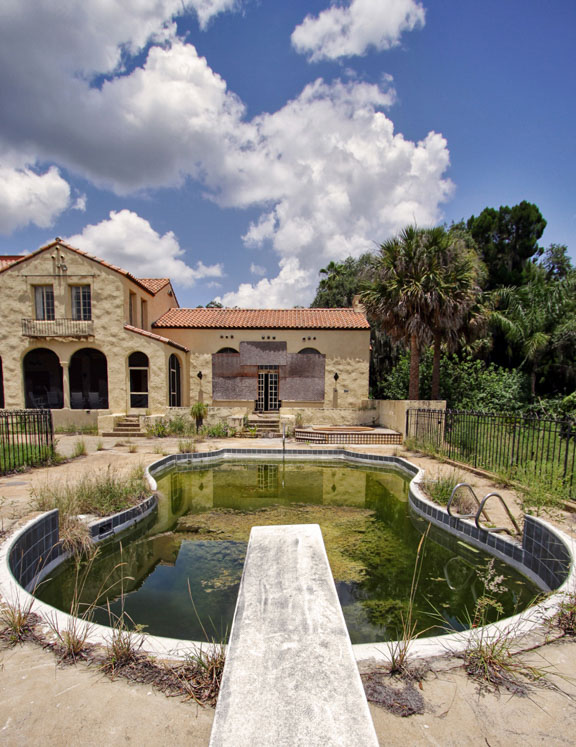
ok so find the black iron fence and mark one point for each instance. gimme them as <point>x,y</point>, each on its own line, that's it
<point>500,443</point>
<point>26,439</point>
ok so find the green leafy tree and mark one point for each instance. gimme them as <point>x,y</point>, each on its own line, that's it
<point>538,320</point>
<point>507,239</point>
<point>340,282</point>
<point>556,262</point>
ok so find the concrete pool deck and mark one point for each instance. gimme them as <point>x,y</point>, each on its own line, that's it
<point>43,703</point>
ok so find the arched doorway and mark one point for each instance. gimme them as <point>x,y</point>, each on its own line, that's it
<point>88,380</point>
<point>43,379</point>
<point>138,373</point>
<point>174,388</point>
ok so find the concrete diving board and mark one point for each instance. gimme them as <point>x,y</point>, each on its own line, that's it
<point>290,676</point>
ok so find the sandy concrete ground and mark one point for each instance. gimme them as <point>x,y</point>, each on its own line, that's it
<point>41,702</point>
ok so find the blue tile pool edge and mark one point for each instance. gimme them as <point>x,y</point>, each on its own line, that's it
<point>524,623</point>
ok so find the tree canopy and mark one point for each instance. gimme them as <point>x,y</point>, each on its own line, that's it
<point>507,239</point>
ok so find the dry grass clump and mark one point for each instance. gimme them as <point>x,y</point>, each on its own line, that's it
<point>75,536</point>
<point>100,494</point>
<point>565,618</point>
<point>18,622</point>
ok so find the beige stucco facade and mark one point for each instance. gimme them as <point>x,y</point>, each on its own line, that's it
<point>110,292</point>
<point>88,358</point>
<point>347,354</point>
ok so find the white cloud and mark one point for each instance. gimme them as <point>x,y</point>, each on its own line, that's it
<point>129,241</point>
<point>327,170</point>
<point>257,270</point>
<point>80,203</point>
<point>207,9</point>
<point>347,30</point>
<point>293,285</point>
<point>30,197</point>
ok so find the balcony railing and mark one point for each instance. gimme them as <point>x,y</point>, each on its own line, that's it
<point>57,327</point>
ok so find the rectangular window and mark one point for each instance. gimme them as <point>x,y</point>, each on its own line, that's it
<point>44,301</point>
<point>132,309</point>
<point>81,302</point>
<point>144,314</point>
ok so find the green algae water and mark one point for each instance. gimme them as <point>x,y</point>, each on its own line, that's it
<point>178,573</point>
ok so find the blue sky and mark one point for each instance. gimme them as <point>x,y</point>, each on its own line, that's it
<point>238,146</point>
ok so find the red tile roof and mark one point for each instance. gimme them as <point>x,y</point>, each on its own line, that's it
<point>262,319</point>
<point>143,283</point>
<point>8,259</point>
<point>154,284</point>
<point>152,336</point>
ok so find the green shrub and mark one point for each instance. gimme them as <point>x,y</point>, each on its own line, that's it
<point>218,430</point>
<point>158,429</point>
<point>465,383</point>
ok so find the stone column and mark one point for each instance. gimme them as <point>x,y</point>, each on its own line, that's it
<point>65,384</point>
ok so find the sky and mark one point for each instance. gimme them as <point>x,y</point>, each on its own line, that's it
<point>239,146</point>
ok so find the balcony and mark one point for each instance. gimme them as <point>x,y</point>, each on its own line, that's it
<point>57,327</point>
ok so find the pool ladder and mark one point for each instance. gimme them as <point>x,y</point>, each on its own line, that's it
<point>482,510</point>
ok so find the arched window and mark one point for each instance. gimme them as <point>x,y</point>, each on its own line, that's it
<point>174,388</point>
<point>138,371</point>
<point>88,380</point>
<point>227,351</point>
<point>309,351</point>
<point>43,379</point>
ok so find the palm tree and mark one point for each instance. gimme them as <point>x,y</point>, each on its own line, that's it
<point>456,311</point>
<point>425,283</point>
<point>397,297</point>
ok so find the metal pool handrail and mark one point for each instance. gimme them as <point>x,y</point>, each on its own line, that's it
<point>452,496</point>
<point>510,516</point>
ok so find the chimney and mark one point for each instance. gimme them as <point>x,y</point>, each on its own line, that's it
<point>357,306</point>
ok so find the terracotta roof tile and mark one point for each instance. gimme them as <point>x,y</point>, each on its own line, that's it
<point>262,319</point>
<point>154,284</point>
<point>152,336</point>
<point>8,259</point>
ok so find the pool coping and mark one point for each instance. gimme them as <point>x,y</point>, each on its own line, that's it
<point>524,623</point>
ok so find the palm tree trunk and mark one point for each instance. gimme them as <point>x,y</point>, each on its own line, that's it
<point>413,390</point>
<point>435,394</point>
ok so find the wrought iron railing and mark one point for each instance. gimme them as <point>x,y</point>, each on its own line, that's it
<point>26,439</point>
<point>498,442</point>
<point>57,327</point>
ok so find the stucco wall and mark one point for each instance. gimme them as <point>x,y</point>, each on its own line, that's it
<point>109,296</point>
<point>392,412</point>
<point>347,353</point>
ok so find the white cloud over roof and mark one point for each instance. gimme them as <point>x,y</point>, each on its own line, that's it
<point>128,241</point>
<point>27,196</point>
<point>326,170</point>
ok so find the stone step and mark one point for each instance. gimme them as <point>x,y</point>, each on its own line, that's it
<point>123,434</point>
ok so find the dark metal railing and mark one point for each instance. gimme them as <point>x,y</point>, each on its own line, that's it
<point>498,442</point>
<point>26,439</point>
<point>57,327</point>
